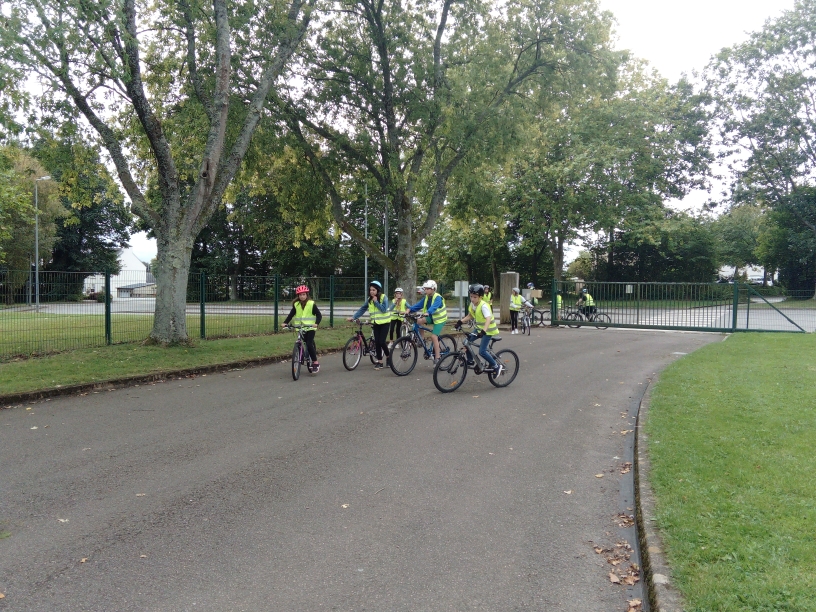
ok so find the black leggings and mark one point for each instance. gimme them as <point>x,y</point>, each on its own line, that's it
<point>514,319</point>
<point>395,325</point>
<point>310,344</point>
<point>381,339</point>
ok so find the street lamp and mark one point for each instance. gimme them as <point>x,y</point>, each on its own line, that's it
<point>37,240</point>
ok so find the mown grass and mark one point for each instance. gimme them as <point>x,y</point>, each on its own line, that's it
<point>92,365</point>
<point>732,432</point>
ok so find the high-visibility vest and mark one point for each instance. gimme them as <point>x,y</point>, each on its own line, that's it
<point>304,315</point>
<point>515,302</point>
<point>378,317</point>
<point>441,314</point>
<point>588,301</point>
<point>488,297</point>
<point>479,318</point>
<point>400,304</point>
<point>558,302</point>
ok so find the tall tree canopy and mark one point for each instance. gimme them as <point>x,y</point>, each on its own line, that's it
<point>400,93</point>
<point>175,91</point>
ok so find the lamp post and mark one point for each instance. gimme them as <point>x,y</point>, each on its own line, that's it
<point>37,240</point>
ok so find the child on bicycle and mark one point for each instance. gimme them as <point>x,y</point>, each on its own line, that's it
<point>482,313</point>
<point>586,303</point>
<point>516,302</point>
<point>377,307</point>
<point>306,313</point>
<point>434,311</point>
<point>398,308</point>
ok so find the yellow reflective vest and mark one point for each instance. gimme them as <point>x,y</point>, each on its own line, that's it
<point>399,305</point>
<point>304,315</point>
<point>377,316</point>
<point>479,318</point>
<point>440,315</point>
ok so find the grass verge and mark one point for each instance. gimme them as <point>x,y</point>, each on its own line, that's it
<point>732,430</point>
<point>105,363</point>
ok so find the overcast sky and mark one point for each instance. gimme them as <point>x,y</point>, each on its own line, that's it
<point>675,37</point>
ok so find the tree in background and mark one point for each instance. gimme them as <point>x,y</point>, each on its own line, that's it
<point>764,92</point>
<point>173,106</point>
<point>401,94</point>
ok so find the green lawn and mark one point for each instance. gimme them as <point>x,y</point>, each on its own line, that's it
<point>732,432</point>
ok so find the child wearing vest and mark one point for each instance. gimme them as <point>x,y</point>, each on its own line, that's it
<point>377,307</point>
<point>306,313</point>
<point>516,302</point>
<point>398,309</point>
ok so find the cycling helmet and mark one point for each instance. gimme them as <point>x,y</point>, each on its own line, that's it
<point>429,284</point>
<point>376,284</point>
<point>530,286</point>
<point>398,290</point>
<point>486,287</point>
<point>516,290</point>
<point>584,290</point>
<point>477,289</point>
<point>301,289</point>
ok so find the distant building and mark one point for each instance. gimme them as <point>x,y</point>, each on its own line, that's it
<point>134,278</point>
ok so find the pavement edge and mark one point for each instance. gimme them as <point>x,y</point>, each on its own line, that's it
<point>663,596</point>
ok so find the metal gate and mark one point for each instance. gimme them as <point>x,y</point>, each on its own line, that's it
<point>716,307</point>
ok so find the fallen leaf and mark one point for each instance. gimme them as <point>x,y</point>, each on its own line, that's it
<point>35,427</point>
<point>143,556</point>
<point>630,580</point>
<point>598,475</point>
<point>29,408</point>
<point>344,506</point>
<point>62,520</point>
<point>568,492</point>
<point>2,596</point>
<point>635,605</point>
<point>83,560</point>
<point>613,578</point>
<point>140,494</point>
<point>626,431</point>
<point>598,405</point>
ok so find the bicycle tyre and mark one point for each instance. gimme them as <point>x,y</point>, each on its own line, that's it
<point>450,372</point>
<point>352,353</point>
<point>510,361</point>
<point>525,326</point>
<point>404,330</point>
<point>296,362</point>
<point>447,344</point>
<point>372,350</point>
<point>573,319</point>
<point>601,318</point>
<point>403,356</point>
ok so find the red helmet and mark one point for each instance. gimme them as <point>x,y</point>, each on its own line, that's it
<point>301,289</point>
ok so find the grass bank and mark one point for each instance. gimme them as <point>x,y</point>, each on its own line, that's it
<point>732,432</point>
<point>105,363</point>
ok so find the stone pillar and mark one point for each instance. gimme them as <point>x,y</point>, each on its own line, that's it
<point>508,281</point>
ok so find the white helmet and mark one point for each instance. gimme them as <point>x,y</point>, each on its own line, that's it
<point>398,290</point>
<point>516,290</point>
<point>429,284</point>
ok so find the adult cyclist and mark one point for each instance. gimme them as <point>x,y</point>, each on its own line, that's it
<point>482,313</point>
<point>434,311</point>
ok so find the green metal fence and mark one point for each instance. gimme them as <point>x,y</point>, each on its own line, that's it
<point>73,310</point>
<point>717,307</point>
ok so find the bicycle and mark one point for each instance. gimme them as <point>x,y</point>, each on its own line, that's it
<point>358,346</point>
<point>450,372</point>
<point>575,318</point>
<point>300,354</point>
<point>404,353</point>
<point>524,321</point>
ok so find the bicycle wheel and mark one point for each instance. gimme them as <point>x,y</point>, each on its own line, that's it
<point>510,361</point>
<point>296,362</point>
<point>573,319</point>
<point>525,326</point>
<point>403,356</point>
<point>447,344</point>
<point>602,320</point>
<point>404,329</point>
<point>450,372</point>
<point>352,353</point>
<point>372,350</point>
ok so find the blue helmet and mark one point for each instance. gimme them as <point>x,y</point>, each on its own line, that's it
<point>375,284</point>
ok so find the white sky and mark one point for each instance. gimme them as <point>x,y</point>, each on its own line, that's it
<point>675,37</point>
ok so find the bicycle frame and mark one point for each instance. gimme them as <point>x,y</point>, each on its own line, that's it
<point>469,345</point>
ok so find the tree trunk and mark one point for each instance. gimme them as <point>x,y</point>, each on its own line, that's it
<point>172,272</point>
<point>557,252</point>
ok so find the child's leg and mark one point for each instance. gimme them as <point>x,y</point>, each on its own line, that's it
<point>310,344</point>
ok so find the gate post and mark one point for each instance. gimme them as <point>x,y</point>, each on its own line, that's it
<point>331,301</point>
<point>277,292</point>
<point>108,333</point>
<point>736,304</point>
<point>202,297</point>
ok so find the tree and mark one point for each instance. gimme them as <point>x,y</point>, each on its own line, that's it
<point>173,106</point>
<point>739,231</point>
<point>764,91</point>
<point>400,94</point>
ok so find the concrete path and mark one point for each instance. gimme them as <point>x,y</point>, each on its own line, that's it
<point>343,491</point>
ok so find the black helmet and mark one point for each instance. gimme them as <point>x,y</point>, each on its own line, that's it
<point>477,289</point>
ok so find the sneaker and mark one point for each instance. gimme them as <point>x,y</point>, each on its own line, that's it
<point>500,370</point>
<point>390,345</point>
<point>435,361</point>
<point>378,365</point>
<point>315,367</point>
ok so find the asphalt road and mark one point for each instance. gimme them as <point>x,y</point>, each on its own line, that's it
<point>342,491</point>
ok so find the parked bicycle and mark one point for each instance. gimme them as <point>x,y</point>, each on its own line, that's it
<point>450,372</point>
<point>405,351</point>
<point>575,318</point>
<point>358,346</point>
<point>300,354</point>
